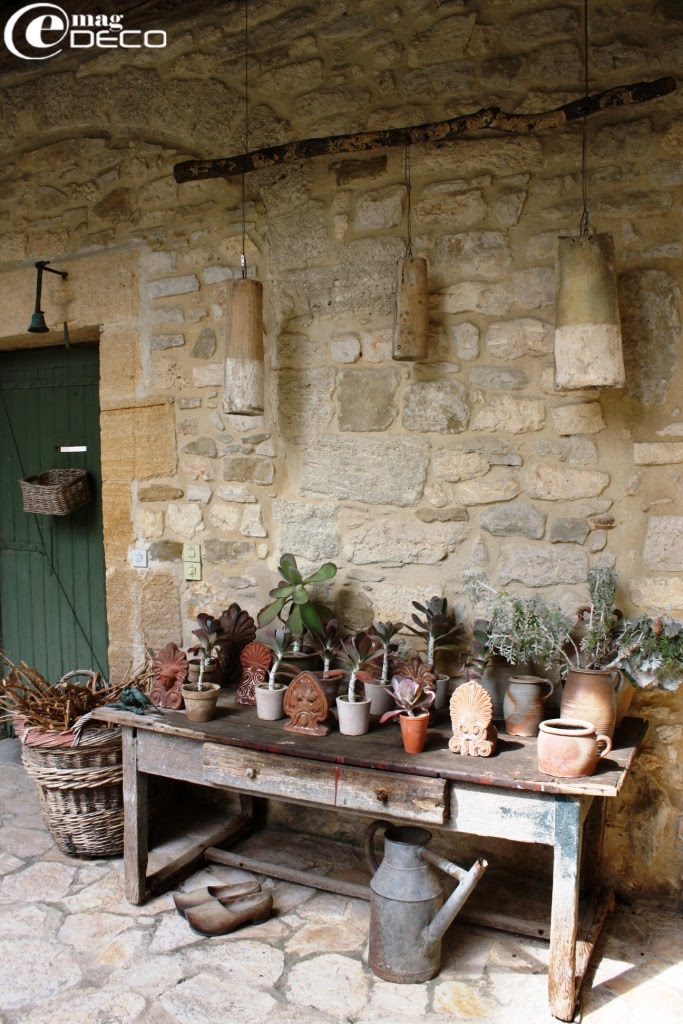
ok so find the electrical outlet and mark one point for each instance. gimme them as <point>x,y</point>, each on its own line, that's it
<point>138,558</point>
<point>192,553</point>
<point>193,570</point>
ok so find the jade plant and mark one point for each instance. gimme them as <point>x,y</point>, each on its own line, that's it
<point>412,697</point>
<point>436,626</point>
<point>356,655</point>
<point>293,598</point>
<point>385,633</point>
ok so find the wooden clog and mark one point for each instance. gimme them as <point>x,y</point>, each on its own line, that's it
<point>222,893</point>
<point>216,918</point>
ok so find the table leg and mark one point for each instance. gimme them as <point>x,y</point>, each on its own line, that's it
<point>565,909</point>
<point>135,849</point>
<point>591,855</point>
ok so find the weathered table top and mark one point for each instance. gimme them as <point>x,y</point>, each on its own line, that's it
<point>514,766</point>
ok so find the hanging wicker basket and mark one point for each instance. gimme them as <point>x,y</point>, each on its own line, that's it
<point>80,790</point>
<point>56,492</point>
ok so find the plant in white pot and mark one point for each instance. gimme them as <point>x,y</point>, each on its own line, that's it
<point>378,689</point>
<point>327,643</point>
<point>201,697</point>
<point>353,710</point>
<point>437,627</point>
<point>270,696</point>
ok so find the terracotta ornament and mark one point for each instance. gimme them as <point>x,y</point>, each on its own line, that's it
<point>237,630</point>
<point>472,717</point>
<point>170,673</point>
<point>255,660</point>
<point>306,705</point>
<point>418,670</point>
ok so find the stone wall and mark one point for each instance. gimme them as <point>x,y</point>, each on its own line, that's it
<point>402,474</point>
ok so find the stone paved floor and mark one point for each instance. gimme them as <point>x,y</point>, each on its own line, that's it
<point>72,951</point>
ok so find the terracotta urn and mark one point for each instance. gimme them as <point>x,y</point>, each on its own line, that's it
<point>270,702</point>
<point>591,696</point>
<point>524,704</point>
<point>414,732</point>
<point>569,748</point>
<point>200,705</point>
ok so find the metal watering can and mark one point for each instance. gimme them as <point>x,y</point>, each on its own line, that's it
<point>408,916</point>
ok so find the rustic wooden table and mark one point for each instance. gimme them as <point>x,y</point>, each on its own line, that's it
<point>504,796</point>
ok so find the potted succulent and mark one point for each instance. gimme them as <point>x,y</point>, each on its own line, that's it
<point>207,651</point>
<point>413,699</point>
<point>295,605</point>
<point>201,696</point>
<point>353,711</point>
<point>378,689</point>
<point>270,696</point>
<point>436,626</point>
<point>327,644</point>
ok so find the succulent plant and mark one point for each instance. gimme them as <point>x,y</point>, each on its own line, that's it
<point>435,625</point>
<point>209,636</point>
<point>280,644</point>
<point>412,697</point>
<point>327,643</point>
<point>293,595</point>
<point>385,633</point>
<point>357,654</point>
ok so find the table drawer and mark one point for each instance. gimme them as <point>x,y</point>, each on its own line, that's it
<point>327,785</point>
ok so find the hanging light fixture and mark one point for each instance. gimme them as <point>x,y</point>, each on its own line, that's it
<point>411,318</point>
<point>588,352</point>
<point>38,325</point>
<point>243,390</point>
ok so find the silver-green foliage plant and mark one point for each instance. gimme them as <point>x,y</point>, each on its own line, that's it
<point>293,597</point>
<point>601,620</point>
<point>521,630</point>
<point>357,654</point>
<point>280,644</point>
<point>651,651</point>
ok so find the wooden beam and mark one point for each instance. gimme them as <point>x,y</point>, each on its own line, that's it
<point>488,118</point>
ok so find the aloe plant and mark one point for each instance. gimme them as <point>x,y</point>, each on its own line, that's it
<point>356,654</point>
<point>412,697</point>
<point>436,626</point>
<point>293,596</point>
<point>385,633</point>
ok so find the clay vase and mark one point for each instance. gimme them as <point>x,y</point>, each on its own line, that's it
<point>414,732</point>
<point>569,748</point>
<point>200,705</point>
<point>590,694</point>
<point>625,692</point>
<point>524,704</point>
<point>212,672</point>
<point>354,716</point>
<point>270,702</point>
<point>495,679</point>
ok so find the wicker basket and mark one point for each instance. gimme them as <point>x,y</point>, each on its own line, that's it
<point>56,492</point>
<point>81,793</point>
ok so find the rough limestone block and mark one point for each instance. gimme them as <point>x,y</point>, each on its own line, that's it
<point>159,492</point>
<point>514,519</point>
<point>436,204</point>
<point>663,547</point>
<point>465,337</point>
<point>534,287</point>
<point>473,297</point>
<point>658,453</point>
<point>366,399</point>
<point>459,514</point>
<point>173,286</point>
<point>510,415</point>
<point>184,520</point>
<point>390,471</point>
<point>162,342</point>
<point>119,362</point>
<point>498,377</point>
<point>485,491</point>
<point>514,339</point>
<point>252,522</point>
<point>305,401</point>
<point>236,492</point>
<point>581,418</point>
<point>205,345</point>
<point>483,255</point>
<point>651,331</point>
<point>658,593</point>
<point>199,492</point>
<point>151,523</point>
<point>116,521</point>
<point>441,406</point>
<point>559,483</point>
<point>309,531</point>
<point>224,517</point>
<point>209,376</point>
<point>579,450</point>
<point>540,565</point>
<point>204,446</point>
<point>230,551</point>
<point>345,350</point>
<point>568,530</point>
<point>160,610</point>
<point>138,443</point>
<point>217,274</point>
<point>248,469</point>
<point>383,208</point>
<point>396,540</point>
<point>452,466</point>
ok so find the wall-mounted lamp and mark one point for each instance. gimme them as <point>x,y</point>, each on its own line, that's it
<point>38,325</point>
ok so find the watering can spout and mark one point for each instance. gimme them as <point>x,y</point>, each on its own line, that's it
<point>467,881</point>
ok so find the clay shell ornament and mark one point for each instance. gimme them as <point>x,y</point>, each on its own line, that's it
<point>307,707</point>
<point>170,673</point>
<point>256,660</point>
<point>472,717</point>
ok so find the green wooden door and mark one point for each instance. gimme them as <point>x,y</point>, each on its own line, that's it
<point>52,590</point>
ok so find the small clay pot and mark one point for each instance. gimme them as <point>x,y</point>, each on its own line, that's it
<point>354,716</point>
<point>569,748</point>
<point>303,661</point>
<point>269,702</point>
<point>379,695</point>
<point>330,684</point>
<point>591,696</point>
<point>414,732</point>
<point>212,672</point>
<point>442,688</point>
<point>524,704</point>
<point>200,705</point>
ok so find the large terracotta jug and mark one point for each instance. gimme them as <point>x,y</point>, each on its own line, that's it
<point>524,704</point>
<point>590,694</point>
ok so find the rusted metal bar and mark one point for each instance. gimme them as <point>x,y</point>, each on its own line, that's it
<point>488,118</point>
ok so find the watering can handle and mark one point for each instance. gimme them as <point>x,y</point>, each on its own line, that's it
<point>369,842</point>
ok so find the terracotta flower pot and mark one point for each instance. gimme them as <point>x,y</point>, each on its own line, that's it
<point>590,695</point>
<point>569,748</point>
<point>414,732</point>
<point>524,704</point>
<point>354,716</point>
<point>200,705</point>
<point>269,702</point>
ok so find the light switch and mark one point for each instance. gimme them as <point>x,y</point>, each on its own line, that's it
<point>139,558</point>
<point>192,553</point>
<point>193,570</point>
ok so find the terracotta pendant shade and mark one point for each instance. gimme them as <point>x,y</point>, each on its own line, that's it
<point>411,322</point>
<point>243,390</point>
<point>588,352</point>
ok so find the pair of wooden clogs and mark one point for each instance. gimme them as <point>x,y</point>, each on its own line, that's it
<point>219,909</point>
